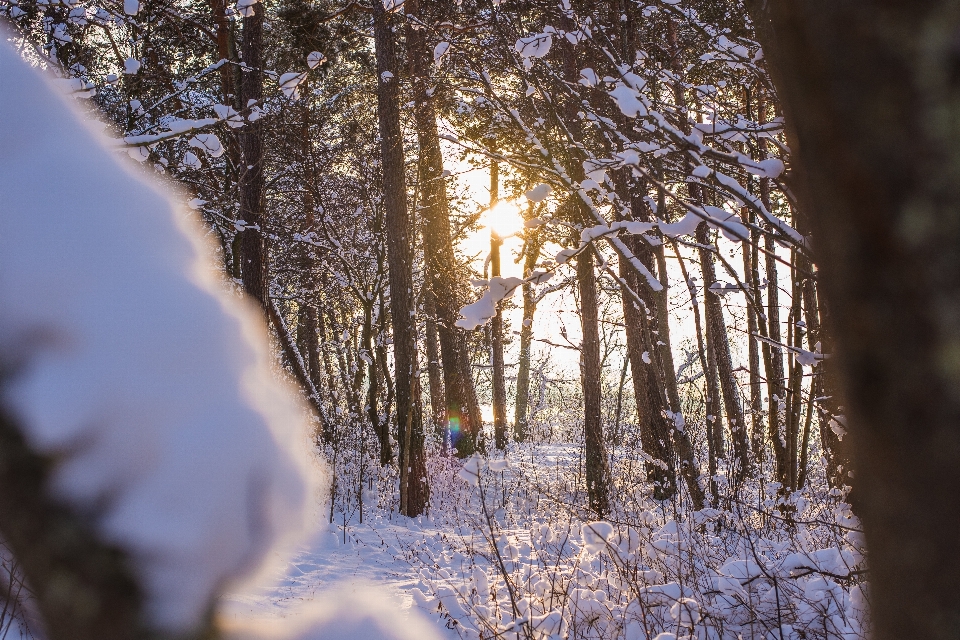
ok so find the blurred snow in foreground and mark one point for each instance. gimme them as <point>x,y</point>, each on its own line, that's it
<point>123,357</point>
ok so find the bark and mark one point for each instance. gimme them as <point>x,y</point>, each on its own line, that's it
<point>250,243</point>
<point>773,360</point>
<point>414,491</point>
<point>655,430</point>
<point>684,446</point>
<point>463,412</point>
<point>522,400</point>
<point>711,399</point>
<point>496,328</point>
<point>749,250</point>
<point>294,360</point>
<point>434,373</point>
<point>795,382</point>
<point>230,78</point>
<point>718,351</point>
<point>381,428</point>
<point>312,345</point>
<point>870,89</point>
<point>597,471</point>
<point>824,398</point>
<point>721,350</point>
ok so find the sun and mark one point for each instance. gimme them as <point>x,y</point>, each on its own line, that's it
<point>504,219</point>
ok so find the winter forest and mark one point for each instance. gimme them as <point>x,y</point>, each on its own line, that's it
<point>539,319</point>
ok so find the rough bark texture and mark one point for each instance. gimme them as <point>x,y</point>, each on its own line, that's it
<point>434,373</point>
<point>654,427</point>
<point>496,327</point>
<point>250,242</point>
<point>597,471</point>
<point>595,456</point>
<point>414,492</point>
<point>522,399</point>
<point>717,330</point>
<point>773,363</point>
<point>294,360</point>
<point>463,412</point>
<point>655,436</point>
<point>872,91</point>
<point>749,250</point>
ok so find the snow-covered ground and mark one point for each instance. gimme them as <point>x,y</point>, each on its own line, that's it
<point>354,559</point>
<point>506,546</point>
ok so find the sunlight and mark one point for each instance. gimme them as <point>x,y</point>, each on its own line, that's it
<point>504,219</point>
<point>486,412</point>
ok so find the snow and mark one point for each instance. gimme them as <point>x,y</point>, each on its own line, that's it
<point>128,355</point>
<point>315,59</point>
<point>636,580</point>
<point>687,226</point>
<point>131,66</point>
<point>190,161</point>
<point>595,534</point>
<point>539,193</point>
<point>290,83</point>
<point>358,568</point>
<point>478,313</point>
<point>224,112</point>
<point>440,51</point>
<point>208,143</point>
<point>629,100</point>
<point>535,46</point>
<point>588,77</point>
<point>246,7</point>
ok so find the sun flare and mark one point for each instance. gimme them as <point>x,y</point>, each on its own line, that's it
<point>504,219</point>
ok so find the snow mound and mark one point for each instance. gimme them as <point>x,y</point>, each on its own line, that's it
<point>126,361</point>
<point>366,613</point>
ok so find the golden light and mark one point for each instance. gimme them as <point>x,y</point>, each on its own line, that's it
<point>504,219</point>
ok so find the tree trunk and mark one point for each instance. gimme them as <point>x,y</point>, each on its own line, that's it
<point>437,401</point>
<point>773,361</point>
<point>597,472</point>
<point>84,588</point>
<point>654,428</point>
<point>414,491</point>
<point>462,411</point>
<point>522,400</point>
<point>752,280</point>
<point>825,400</point>
<point>711,394</point>
<point>721,350</point>
<point>870,89</point>
<point>250,241</point>
<point>496,326</point>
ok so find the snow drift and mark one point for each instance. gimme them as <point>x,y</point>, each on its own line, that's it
<point>126,360</point>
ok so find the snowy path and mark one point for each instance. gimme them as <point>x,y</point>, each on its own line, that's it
<point>372,556</point>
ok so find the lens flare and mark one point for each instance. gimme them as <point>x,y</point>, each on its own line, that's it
<point>504,219</point>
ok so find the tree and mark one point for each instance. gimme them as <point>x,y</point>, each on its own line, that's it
<point>463,412</point>
<point>496,325</point>
<point>414,491</point>
<point>870,91</point>
<point>251,244</point>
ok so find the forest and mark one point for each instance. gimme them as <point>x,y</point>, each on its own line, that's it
<point>632,319</point>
